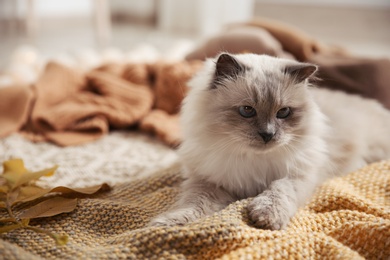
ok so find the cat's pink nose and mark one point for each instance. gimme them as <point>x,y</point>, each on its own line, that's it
<point>267,136</point>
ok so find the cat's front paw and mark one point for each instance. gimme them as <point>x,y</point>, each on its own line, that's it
<point>268,213</point>
<point>175,218</point>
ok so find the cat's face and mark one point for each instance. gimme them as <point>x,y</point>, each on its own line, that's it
<point>257,106</point>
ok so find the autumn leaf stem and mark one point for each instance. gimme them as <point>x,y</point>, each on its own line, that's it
<point>8,228</point>
<point>10,213</point>
<point>59,239</point>
<point>40,230</point>
<point>5,220</point>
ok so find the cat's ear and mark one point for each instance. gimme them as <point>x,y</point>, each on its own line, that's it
<point>300,71</point>
<point>226,67</point>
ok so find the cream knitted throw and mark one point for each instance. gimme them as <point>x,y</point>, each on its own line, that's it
<point>348,218</point>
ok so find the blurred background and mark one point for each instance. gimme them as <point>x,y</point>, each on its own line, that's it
<point>51,27</point>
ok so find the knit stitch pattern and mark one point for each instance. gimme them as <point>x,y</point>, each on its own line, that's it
<point>347,218</point>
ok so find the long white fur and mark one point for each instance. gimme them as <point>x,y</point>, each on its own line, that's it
<point>230,164</point>
<point>343,133</point>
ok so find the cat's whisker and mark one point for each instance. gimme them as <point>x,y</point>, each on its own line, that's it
<point>223,146</point>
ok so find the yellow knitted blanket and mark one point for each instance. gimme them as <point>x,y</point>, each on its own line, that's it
<point>348,218</point>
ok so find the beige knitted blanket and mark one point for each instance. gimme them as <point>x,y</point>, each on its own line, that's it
<point>348,218</point>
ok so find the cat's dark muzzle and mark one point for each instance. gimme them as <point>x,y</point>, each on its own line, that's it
<point>266,136</point>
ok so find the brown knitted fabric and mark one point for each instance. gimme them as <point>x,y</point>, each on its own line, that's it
<point>163,125</point>
<point>368,77</point>
<point>173,74</point>
<point>348,218</point>
<point>15,105</point>
<point>240,39</point>
<point>124,102</point>
<point>73,108</point>
<point>139,73</point>
<point>294,40</point>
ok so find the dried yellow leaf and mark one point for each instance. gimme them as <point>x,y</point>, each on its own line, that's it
<point>50,207</point>
<point>16,174</point>
<point>12,195</point>
<point>35,175</point>
<point>14,165</point>
<point>61,240</point>
<point>25,222</point>
<point>4,189</point>
<point>13,170</point>
<point>3,181</point>
<point>17,186</point>
<point>29,193</point>
<point>81,191</point>
<point>8,228</point>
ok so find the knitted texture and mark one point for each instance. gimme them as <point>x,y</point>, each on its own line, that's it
<point>348,218</point>
<point>119,157</point>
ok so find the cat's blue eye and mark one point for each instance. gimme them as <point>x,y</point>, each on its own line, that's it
<point>247,111</point>
<point>283,113</point>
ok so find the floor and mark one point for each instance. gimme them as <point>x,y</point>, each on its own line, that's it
<point>365,32</point>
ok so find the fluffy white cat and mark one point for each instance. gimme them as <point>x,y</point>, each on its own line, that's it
<point>254,126</point>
